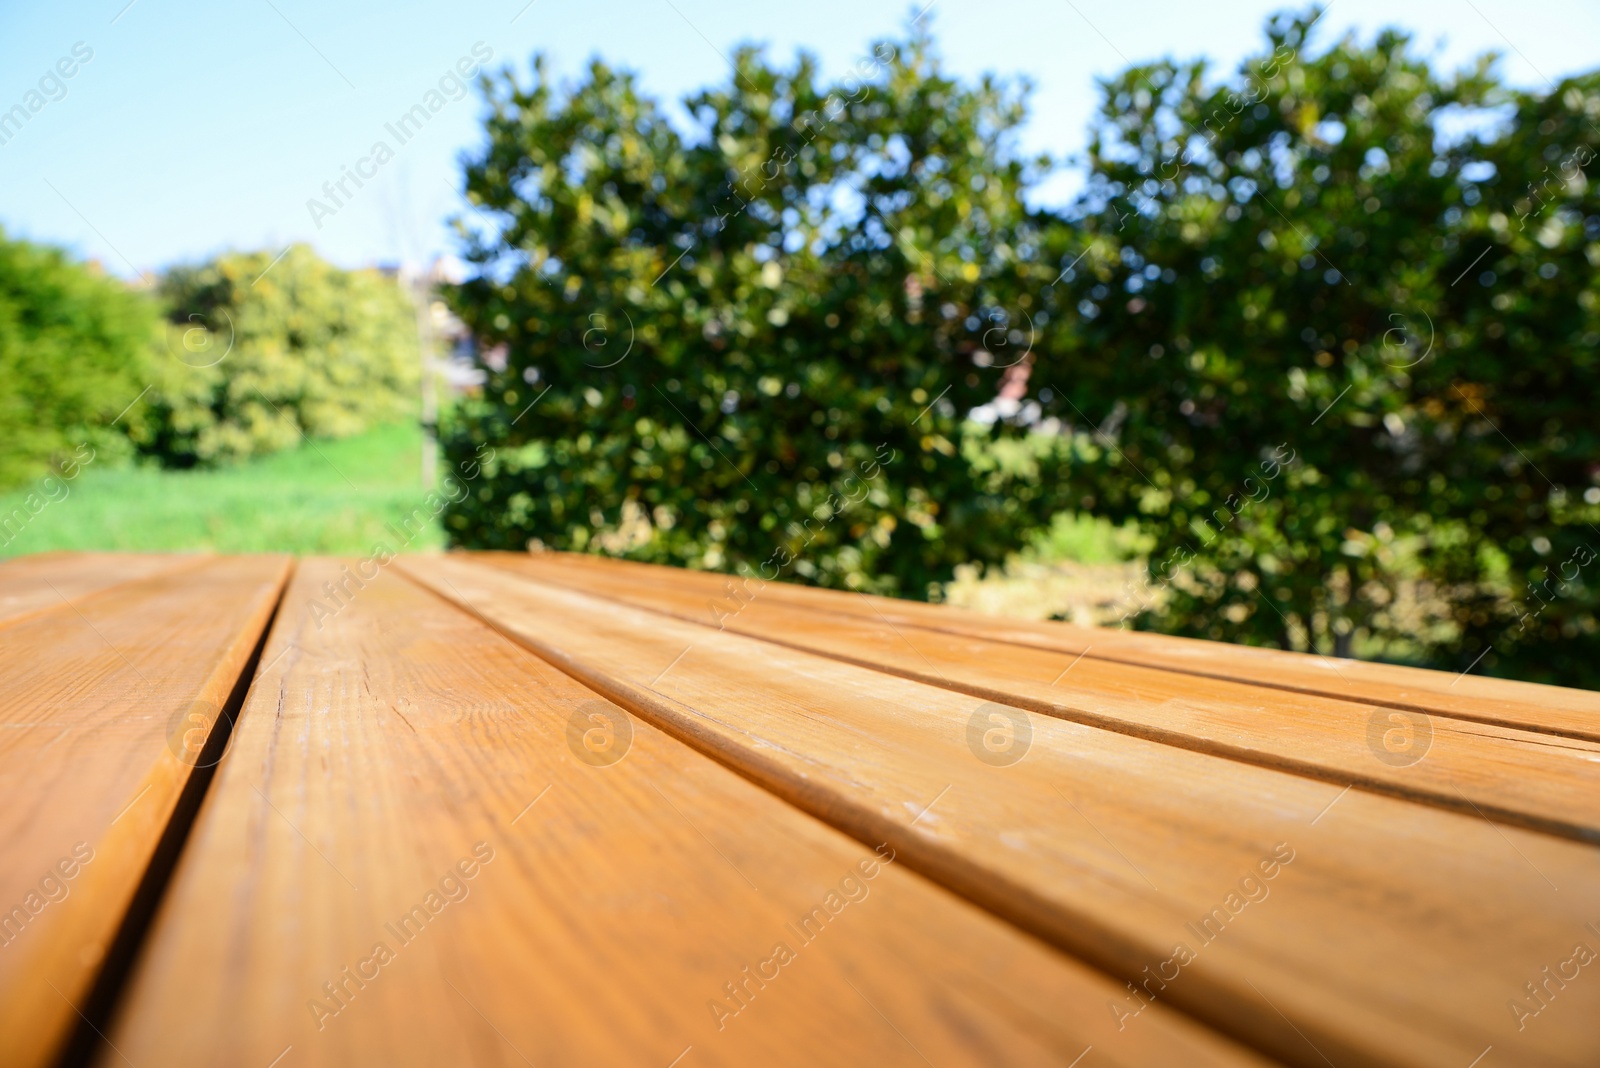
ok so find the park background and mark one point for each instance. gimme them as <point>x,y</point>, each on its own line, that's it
<point>1294,347</point>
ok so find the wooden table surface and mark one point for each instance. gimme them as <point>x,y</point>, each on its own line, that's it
<point>501,809</point>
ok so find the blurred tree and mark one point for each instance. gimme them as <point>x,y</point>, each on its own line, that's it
<point>1509,407</point>
<point>74,349</point>
<point>1325,330</point>
<point>1300,378</point>
<point>755,348</point>
<point>262,352</point>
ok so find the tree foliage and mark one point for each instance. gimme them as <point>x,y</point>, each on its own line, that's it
<point>1512,404</point>
<point>260,353</point>
<point>1324,329</point>
<point>752,347</point>
<point>74,345</point>
<point>1333,348</point>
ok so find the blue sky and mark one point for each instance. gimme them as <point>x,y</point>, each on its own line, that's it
<point>198,127</point>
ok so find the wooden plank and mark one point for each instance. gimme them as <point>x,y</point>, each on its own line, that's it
<point>394,738</point>
<point>33,584</point>
<point>1505,702</point>
<point>1390,933</point>
<point>1521,777</point>
<point>107,707</point>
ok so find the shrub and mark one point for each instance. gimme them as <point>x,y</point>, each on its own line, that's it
<point>1340,361</point>
<point>1332,348</point>
<point>755,348</point>
<point>261,353</point>
<point>74,351</point>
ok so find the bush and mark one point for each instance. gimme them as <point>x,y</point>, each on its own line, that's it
<point>263,352</point>
<point>1343,365</point>
<point>1332,348</point>
<point>75,347</point>
<point>754,349</point>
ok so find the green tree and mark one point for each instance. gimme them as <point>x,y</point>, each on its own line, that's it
<point>263,352</point>
<point>74,349</point>
<point>1508,407</point>
<point>755,346</point>
<point>1297,375</point>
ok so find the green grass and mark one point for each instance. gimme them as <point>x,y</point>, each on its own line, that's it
<point>333,497</point>
<point>1084,539</point>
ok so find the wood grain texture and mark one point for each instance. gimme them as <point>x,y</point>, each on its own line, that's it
<point>1399,933</point>
<point>106,706</point>
<point>33,584</point>
<point>1504,702</point>
<point>1525,778</point>
<point>384,742</point>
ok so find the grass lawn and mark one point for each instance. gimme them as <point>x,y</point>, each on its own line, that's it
<point>334,497</point>
<point>1081,570</point>
<point>337,496</point>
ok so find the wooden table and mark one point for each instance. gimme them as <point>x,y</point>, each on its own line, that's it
<point>553,810</point>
